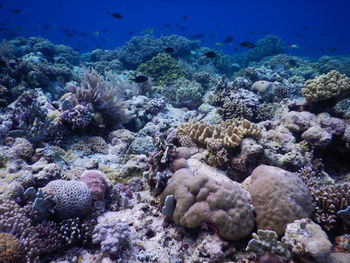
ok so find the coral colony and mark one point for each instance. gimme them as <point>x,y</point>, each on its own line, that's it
<point>163,150</point>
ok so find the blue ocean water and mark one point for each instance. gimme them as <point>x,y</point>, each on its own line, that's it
<point>316,27</point>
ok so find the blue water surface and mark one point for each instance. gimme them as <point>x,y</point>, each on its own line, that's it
<point>316,27</point>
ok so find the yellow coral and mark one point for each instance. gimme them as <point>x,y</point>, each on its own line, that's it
<point>325,86</point>
<point>10,249</point>
<point>229,132</point>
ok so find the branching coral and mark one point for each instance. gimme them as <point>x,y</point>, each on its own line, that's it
<point>326,86</point>
<point>18,230</point>
<point>229,132</point>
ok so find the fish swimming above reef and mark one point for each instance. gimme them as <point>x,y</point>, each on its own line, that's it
<point>16,11</point>
<point>247,44</point>
<point>228,40</point>
<point>169,50</point>
<point>148,30</point>
<point>210,54</point>
<point>140,79</point>
<point>293,46</point>
<point>115,15</point>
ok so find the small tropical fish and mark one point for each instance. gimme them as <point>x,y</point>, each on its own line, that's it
<point>219,44</point>
<point>185,17</point>
<point>96,34</point>
<point>148,30</point>
<point>16,11</point>
<point>293,46</point>
<point>247,44</point>
<point>169,50</point>
<point>115,15</point>
<point>228,40</point>
<point>140,79</point>
<point>217,25</point>
<point>210,54</point>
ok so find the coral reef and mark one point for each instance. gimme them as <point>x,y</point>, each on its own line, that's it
<point>163,69</point>
<point>203,200</point>
<point>326,86</point>
<point>71,198</point>
<point>279,197</point>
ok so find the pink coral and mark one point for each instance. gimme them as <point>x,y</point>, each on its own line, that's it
<point>96,182</point>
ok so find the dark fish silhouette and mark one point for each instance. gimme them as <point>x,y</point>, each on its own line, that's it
<point>305,28</point>
<point>210,54</point>
<point>298,35</point>
<point>130,32</point>
<point>247,44</point>
<point>167,25</point>
<point>46,27</point>
<point>169,50</point>
<point>228,40</point>
<point>183,28</point>
<point>185,17</point>
<point>217,25</point>
<point>140,79</point>
<point>115,15</point>
<point>1,5</point>
<point>83,34</point>
<point>105,30</point>
<point>16,11</point>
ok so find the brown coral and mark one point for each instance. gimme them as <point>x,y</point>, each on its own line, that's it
<point>279,196</point>
<point>202,199</point>
<point>325,86</point>
<point>10,249</point>
<point>229,132</point>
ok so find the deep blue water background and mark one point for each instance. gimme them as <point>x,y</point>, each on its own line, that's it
<point>318,27</point>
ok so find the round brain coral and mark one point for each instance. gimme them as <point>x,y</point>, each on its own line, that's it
<point>280,197</point>
<point>10,249</point>
<point>202,200</point>
<point>73,198</point>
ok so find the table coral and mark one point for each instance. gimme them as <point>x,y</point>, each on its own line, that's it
<point>202,200</point>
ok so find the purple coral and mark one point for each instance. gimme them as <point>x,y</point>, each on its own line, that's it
<point>78,117</point>
<point>111,234</point>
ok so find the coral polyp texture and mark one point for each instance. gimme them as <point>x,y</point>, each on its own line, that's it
<point>201,199</point>
<point>72,198</point>
<point>280,197</point>
<point>229,132</point>
<point>326,86</point>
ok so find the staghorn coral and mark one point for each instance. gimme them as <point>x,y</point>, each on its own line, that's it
<point>72,198</point>
<point>267,241</point>
<point>280,197</point>
<point>325,86</point>
<point>202,200</point>
<point>229,132</point>
<point>163,69</point>
<point>35,240</point>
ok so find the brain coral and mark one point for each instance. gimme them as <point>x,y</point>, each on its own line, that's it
<point>325,86</point>
<point>229,132</point>
<point>73,198</point>
<point>280,197</point>
<point>10,249</point>
<point>202,200</point>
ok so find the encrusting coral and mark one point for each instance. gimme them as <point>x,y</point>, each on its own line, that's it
<point>201,199</point>
<point>229,132</point>
<point>325,86</point>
